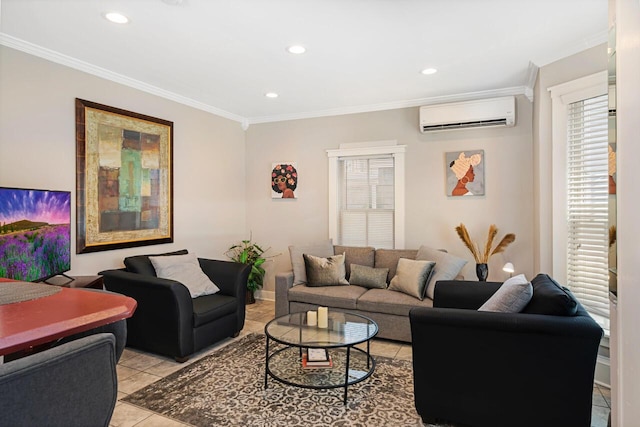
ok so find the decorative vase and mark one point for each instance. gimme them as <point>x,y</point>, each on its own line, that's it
<point>482,271</point>
<point>250,297</point>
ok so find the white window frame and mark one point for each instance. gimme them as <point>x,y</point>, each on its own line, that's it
<point>561,96</point>
<point>374,148</point>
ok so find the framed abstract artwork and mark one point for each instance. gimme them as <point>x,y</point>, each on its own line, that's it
<point>284,180</point>
<point>124,178</point>
<point>465,173</point>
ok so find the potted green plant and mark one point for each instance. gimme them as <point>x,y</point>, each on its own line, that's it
<point>248,252</point>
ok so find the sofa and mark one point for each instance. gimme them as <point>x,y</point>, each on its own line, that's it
<point>387,307</point>
<point>169,320</point>
<point>501,369</point>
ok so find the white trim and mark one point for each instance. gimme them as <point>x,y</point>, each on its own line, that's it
<point>532,75</point>
<point>59,58</point>
<point>361,149</point>
<point>561,96</point>
<point>261,294</point>
<point>571,48</point>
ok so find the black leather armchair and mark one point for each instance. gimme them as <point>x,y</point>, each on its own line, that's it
<point>167,320</point>
<point>501,369</point>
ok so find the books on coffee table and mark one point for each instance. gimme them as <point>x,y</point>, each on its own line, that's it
<point>316,358</point>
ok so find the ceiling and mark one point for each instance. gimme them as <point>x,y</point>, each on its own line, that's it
<point>222,56</point>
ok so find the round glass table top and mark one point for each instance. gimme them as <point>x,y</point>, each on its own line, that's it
<point>344,329</point>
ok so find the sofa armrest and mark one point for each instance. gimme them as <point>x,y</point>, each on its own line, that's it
<point>284,282</point>
<point>463,294</point>
<point>165,303</point>
<point>230,277</point>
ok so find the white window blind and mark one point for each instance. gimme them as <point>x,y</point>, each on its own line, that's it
<point>366,201</point>
<point>587,203</point>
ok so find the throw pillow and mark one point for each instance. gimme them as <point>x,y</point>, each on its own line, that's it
<point>140,264</point>
<point>447,266</point>
<point>325,271</point>
<point>514,295</point>
<point>368,277</point>
<point>321,249</point>
<point>550,298</point>
<point>186,270</point>
<point>411,277</point>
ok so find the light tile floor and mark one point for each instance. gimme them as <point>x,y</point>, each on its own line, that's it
<point>138,369</point>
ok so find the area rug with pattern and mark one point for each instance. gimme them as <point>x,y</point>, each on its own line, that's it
<point>226,388</point>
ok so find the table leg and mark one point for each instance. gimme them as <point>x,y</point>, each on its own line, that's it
<point>368,353</point>
<point>346,374</point>
<point>266,362</point>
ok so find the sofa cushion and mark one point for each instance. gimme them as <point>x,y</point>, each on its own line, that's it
<point>550,298</point>
<point>390,302</point>
<point>140,264</point>
<point>361,255</point>
<point>368,277</point>
<point>328,271</point>
<point>411,277</point>
<point>514,294</point>
<point>186,270</point>
<point>322,249</point>
<point>388,258</point>
<point>208,308</point>
<point>327,296</point>
<point>447,266</point>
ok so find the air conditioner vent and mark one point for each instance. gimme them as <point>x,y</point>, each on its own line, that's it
<point>469,114</point>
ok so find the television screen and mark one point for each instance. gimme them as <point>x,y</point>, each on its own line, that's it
<point>35,233</point>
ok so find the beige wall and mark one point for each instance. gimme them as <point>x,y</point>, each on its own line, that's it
<point>430,215</point>
<point>37,150</point>
<point>579,65</point>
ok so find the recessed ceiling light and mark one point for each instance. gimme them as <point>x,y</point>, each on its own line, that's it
<point>116,17</point>
<point>428,71</point>
<point>297,49</point>
<point>271,95</point>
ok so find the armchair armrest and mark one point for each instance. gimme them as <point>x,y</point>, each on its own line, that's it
<point>230,277</point>
<point>165,303</point>
<point>284,281</point>
<point>463,294</point>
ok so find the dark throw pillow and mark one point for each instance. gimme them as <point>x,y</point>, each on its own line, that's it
<point>328,271</point>
<point>550,298</point>
<point>368,277</point>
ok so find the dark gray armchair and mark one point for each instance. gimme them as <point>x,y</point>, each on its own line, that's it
<point>73,384</point>
<point>486,369</point>
<point>167,320</point>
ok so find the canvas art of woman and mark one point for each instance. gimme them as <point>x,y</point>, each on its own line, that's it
<point>462,168</point>
<point>284,179</point>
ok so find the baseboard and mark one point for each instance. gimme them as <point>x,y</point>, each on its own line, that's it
<point>265,295</point>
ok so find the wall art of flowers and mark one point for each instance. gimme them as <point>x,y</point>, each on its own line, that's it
<point>284,180</point>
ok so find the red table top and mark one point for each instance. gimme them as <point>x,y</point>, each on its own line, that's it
<point>38,321</point>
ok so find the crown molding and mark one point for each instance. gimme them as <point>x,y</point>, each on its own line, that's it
<point>573,48</point>
<point>517,90</point>
<point>532,75</point>
<point>59,58</point>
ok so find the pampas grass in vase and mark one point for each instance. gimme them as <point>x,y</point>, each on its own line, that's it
<point>482,255</point>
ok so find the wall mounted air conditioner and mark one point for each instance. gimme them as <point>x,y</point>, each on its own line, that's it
<point>469,114</point>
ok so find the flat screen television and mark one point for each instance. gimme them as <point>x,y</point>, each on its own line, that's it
<point>35,233</point>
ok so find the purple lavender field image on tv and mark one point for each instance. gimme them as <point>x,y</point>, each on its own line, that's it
<point>35,233</point>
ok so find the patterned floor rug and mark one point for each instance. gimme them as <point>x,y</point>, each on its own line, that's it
<point>226,388</point>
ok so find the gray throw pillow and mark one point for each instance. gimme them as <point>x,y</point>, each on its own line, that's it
<point>411,277</point>
<point>186,270</point>
<point>321,249</point>
<point>447,266</point>
<point>325,271</point>
<point>514,295</point>
<point>368,277</point>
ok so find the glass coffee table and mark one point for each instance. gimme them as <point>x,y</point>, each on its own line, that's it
<point>350,364</point>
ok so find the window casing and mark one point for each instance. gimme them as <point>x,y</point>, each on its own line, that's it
<point>366,195</point>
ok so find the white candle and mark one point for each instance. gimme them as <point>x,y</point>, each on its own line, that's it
<point>323,317</point>
<point>312,318</point>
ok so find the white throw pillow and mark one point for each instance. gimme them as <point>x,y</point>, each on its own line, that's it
<point>513,296</point>
<point>447,266</point>
<point>322,249</point>
<point>186,270</point>
<point>411,277</point>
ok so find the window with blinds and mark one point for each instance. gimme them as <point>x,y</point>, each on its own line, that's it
<point>366,201</point>
<point>587,203</point>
